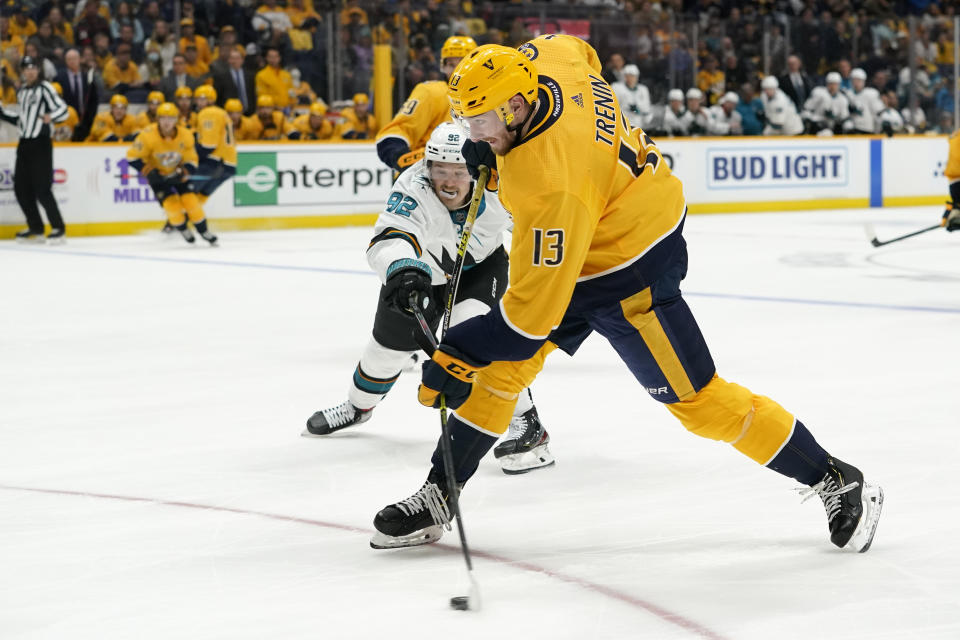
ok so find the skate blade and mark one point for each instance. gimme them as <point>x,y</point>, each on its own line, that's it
<point>872,500</point>
<point>517,463</point>
<point>56,241</point>
<point>416,539</point>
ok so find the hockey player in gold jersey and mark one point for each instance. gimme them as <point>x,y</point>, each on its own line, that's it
<point>951,217</point>
<point>313,125</point>
<point>183,97</point>
<point>216,143</point>
<point>597,246</point>
<point>401,142</point>
<point>63,131</point>
<point>269,122</point>
<point>114,125</point>
<point>243,127</point>
<point>149,115</point>
<point>165,153</point>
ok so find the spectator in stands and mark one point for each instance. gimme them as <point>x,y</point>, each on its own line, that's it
<point>8,39</point>
<point>149,16</point>
<point>734,73</point>
<point>115,125</point>
<point>22,25</point>
<point>188,37</point>
<point>313,125</point>
<point>711,81</point>
<point>634,97</point>
<point>101,49</point>
<point>357,121</point>
<point>750,109</point>
<point>195,67</point>
<point>149,115</point>
<point>88,62</point>
<point>274,81</point>
<point>159,50</point>
<point>197,16</point>
<point>945,124</point>
<point>796,84</point>
<point>226,43</point>
<point>613,70</point>
<point>121,75</point>
<point>78,92</point>
<point>844,69</point>
<point>302,16</point>
<point>90,23</point>
<point>124,16</point>
<point>60,26</point>
<point>49,45</point>
<point>177,78</point>
<point>271,16</point>
<point>269,123</point>
<point>126,37</point>
<point>237,82</point>
<point>303,93</point>
<point>48,68</point>
<point>778,49</point>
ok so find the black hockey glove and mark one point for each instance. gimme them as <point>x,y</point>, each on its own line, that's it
<point>476,154</point>
<point>449,372</point>
<point>405,278</point>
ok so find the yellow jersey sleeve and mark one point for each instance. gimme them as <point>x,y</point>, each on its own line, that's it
<point>426,108</point>
<point>952,172</point>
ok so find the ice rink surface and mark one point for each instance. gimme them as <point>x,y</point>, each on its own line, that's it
<point>154,484</point>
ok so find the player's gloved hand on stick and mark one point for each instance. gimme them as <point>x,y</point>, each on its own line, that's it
<point>408,277</point>
<point>478,153</point>
<point>449,372</point>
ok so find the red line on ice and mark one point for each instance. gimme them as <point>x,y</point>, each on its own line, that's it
<point>660,612</point>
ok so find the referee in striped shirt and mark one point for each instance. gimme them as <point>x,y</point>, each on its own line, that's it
<point>33,175</point>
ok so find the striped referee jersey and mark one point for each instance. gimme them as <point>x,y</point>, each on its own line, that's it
<point>35,101</point>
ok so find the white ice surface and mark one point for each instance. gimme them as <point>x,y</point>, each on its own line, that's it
<point>177,379</point>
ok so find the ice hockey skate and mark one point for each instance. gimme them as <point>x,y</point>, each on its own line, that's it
<point>187,234</point>
<point>339,417</point>
<point>29,237</point>
<point>853,506</point>
<point>419,519</point>
<point>526,446</point>
<point>209,237</point>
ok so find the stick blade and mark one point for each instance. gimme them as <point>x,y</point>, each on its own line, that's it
<point>871,234</point>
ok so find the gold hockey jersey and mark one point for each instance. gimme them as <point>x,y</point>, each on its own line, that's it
<point>162,153</point>
<point>426,108</point>
<point>215,131</point>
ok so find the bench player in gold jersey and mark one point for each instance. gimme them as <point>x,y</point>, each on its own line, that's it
<point>166,154</point>
<point>401,142</point>
<point>597,246</point>
<point>216,143</point>
<point>149,115</point>
<point>114,125</point>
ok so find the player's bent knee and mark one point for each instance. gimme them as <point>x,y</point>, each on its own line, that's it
<point>174,208</point>
<point>755,425</point>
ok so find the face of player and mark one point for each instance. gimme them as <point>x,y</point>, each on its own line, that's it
<point>264,113</point>
<point>449,64</point>
<point>676,105</point>
<point>490,128</point>
<point>152,107</point>
<point>166,124</point>
<point>118,111</point>
<point>184,103</point>
<point>451,182</point>
<point>630,80</point>
<point>770,91</point>
<point>201,103</point>
<point>857,84</point>
<point>833,87</point>
<point>693,104</point>
<point>315,121</point>
<point>235,118</point>
<point>361,108</point>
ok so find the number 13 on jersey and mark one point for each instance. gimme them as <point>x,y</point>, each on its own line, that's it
<point>547,247</point>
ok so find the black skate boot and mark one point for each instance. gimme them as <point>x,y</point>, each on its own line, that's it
<point>525,447</point>
<point>209,237</point>
<point>187,234</point>
<point>853,507</point>
<point>420,519</point>
<point>28,236</point>
<point>57,236</point>
<point>339,417</point>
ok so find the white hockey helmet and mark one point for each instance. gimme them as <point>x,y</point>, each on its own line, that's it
<point>833,78</point>
<point>675,94</point>
<point>631,70</point>
<point>445,143</point>
<point>694,93</point>
<point>769,82</point>
<point>858,74</point>
<point>730,96</point>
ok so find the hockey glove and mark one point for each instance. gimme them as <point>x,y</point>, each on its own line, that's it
<point>448,372</point>
<point>408,277</point>
<point>478,153</point>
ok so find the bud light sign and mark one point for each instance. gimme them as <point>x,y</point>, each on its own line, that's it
<point>777,167</point>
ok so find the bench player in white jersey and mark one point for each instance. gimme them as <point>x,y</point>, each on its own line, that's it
<point>675,120</point>
<point>634,98</point>
<point>725,120</point>
<point>778,110</point>
<point>413,251</point>
<point>865,105</point>
<point>827,108</point>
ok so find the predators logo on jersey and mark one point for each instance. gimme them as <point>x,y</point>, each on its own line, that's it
<point>161,153</point>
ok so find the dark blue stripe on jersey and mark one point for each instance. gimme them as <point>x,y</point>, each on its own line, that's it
<point>488,337</point>
<point>550,101</point>
<point>397,234</point>
<point>876,173</point>
<point>370,384</point>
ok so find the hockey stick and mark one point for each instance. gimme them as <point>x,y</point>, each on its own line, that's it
<point>872,235</point>
<point>472,601</point>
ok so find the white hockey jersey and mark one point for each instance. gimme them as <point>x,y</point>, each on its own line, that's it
<point>723,125</point>
<point>676,124</point>
<point>825,109</point>
<point>415,224</point>
<point>865,107</point>
<point>781,114</point>
<point>890,121</point>
<point>634,103</point>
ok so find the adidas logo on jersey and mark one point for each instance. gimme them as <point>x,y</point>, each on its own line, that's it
<point>578,99</point>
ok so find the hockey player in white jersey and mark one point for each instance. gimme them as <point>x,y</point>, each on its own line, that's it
<point>413,251</point>
<point>865,105</point>
<point>634,98</point>
<point>778,110</point>
<point>675,120</point>
<point>699,117</point>
<point>890,119</point>
<point>725,120</point>
<point>827,108</point>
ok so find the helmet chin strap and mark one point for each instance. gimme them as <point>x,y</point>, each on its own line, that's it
<point>518,127</point>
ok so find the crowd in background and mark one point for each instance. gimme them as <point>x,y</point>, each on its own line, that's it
<point>284,59</point>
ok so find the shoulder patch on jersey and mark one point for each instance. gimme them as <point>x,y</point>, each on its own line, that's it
<point>529,50</point>
<point>578,99</point>
<point>549,108</point>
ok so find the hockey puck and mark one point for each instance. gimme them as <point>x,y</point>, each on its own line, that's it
<point>460,603</point>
